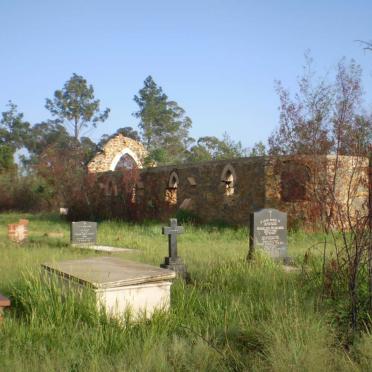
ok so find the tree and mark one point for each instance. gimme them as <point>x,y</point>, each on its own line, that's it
<point>304,122</point>
<point>13,133</point>
<point>326,118</point>
<point>258,149</point>
<point>75,106</point>
<point>212,148</point>
<point>323,117</point>
<point>164,125</point>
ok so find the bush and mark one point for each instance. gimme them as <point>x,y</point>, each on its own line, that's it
<point>185,216</point>
<point>24,193</point>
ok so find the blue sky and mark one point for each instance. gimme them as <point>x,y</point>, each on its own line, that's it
<point>217,59</point>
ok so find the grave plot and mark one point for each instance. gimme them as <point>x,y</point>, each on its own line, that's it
<point>83,234</point>
<point>118,285</point>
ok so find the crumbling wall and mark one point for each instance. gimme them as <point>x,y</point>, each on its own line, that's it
<point>229,190</point>
<point>114,150</point>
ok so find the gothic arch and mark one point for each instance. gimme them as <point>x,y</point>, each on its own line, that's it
<point>114,150</point>
<point>173,180</point>
<point>172,188</point>
<point>123,152</point>
<point>228,178</point>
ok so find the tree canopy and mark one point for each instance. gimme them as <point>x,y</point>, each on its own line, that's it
<point>14,132</point>
<point>324,116</point>
<point>75,106</point>
<point>164,125</point>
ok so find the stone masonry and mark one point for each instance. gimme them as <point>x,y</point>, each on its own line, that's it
<point>114,150</point>
<point>229,190</point>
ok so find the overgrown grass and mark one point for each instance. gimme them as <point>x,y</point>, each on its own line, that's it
<point>232,316</point>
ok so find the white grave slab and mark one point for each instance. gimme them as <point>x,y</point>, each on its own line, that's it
<point>106,248</point>
<point>119,285</point>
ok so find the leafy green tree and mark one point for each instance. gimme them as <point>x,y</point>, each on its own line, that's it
<point>6,158</point>
<point>259,149</point>
<point>75,106</point>
<point>51,134</point>
<point>45,134</point>
<point>163,123</point>
<point>13,134</point>
<point>212,148</point>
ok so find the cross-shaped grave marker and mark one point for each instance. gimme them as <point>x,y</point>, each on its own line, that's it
<point>173,261</point>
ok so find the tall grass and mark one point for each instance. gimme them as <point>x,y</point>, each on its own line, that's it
<point>232,316</point>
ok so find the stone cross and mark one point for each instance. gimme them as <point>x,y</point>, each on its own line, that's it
<point>172,233</point>
<point>173,261</point>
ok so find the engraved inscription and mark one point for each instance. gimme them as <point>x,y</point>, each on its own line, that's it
<point>269,232</point>
<point>84,232</point>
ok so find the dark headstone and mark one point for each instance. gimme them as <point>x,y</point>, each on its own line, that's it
<point>173,261</point>
<point>84,232</point>
<point>268,231</point>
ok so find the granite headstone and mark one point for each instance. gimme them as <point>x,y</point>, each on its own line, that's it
<point>268,231</point>
<point>84,233</point>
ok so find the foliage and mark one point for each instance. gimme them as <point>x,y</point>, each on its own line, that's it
<point>232,316</point>
<point>258,149</point>
<point>23,193</point>
<point>13,133</point>
<point>75,106</point>
<point>185,216</point>
<point>323,117</point>
<point>212,148</point>
<point>163,123</point>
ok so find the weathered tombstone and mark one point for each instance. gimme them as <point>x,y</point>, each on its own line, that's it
<point>18,232</point>
<point>118,285</point>
<point>268,231</point>
<point>173,261</point>
<point>63,211</point>
<point>83,233</point>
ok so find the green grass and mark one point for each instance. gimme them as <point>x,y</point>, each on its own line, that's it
<point>232,316</point>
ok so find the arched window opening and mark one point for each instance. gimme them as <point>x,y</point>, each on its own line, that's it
<point>171,190</point>
<point>228,180</point>
<point>294,180</point>
<point>126,162</point>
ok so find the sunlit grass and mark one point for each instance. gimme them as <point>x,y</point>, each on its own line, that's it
<point>233,315</point>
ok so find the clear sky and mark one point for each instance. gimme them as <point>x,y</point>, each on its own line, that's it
<point>217,59</point>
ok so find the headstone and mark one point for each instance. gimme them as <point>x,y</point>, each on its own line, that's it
<point>18,232</point>
<point>83,233</point>
<point>63,211</point>
<point>268,231</point>
<point>118,285</point>
<point>173,261</point>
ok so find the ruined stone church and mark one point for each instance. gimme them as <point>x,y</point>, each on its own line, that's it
<point>223,190</point>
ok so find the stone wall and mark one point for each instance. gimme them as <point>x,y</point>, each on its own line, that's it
<point>229,190</point>
<point>202,190</point>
